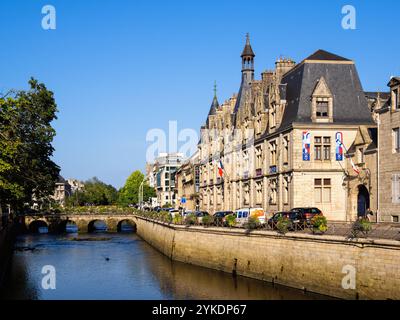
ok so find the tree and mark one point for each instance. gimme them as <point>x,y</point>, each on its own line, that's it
<point>95,192</point>
<point>27,173</point>
<point>129,193</point>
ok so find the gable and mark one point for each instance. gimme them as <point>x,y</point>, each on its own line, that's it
<point>321,89</point>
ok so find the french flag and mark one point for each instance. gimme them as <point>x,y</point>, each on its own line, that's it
<point>220,168</point>
<point>356,170</point>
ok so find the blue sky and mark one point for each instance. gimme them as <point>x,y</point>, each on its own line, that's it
<point>120,68</point>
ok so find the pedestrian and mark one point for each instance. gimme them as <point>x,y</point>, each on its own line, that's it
<point>368,214</point>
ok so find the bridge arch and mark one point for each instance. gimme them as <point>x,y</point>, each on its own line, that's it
<point>35,225</point>
<point>97,225</point>
<point>126,225</point>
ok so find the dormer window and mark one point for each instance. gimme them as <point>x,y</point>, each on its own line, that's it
<point>396,99</point>
<point>322,109</point>
<point>322,103</point>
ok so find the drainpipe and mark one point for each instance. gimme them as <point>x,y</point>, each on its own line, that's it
<point>378,165</point>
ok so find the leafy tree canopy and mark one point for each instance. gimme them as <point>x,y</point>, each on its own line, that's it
<point>95,192</point>
<point>27,173</point>
<point>129,193</point>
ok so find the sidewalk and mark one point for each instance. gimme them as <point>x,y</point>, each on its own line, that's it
<point>379,230</point>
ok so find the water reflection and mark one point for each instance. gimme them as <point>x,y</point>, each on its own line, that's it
<point>122,266</point>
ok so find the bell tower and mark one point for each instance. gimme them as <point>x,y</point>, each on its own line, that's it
<point>247,62</point>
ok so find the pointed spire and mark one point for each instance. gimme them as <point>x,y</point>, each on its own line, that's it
<point>248,51</point>
<point>214,104</point>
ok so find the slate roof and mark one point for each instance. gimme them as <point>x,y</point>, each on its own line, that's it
<point>373,134</point>
<point>394,81</point>
<point>325,55</point>
<point>374,95</point>
<point>244,88</point>
<point>213,108</point>
<point>350,105</point>
<point>248,51</point>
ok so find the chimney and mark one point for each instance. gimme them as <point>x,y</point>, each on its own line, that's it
<point>283,65</point>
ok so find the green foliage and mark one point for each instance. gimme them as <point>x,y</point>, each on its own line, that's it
<point>283,225</point>
<point>167,205</point>
<point>230,220</point>
<point>177,219</point>
<point>319,224</point>
<point>27,172</point>
<point>207,220</point>
<point>190,219</point>
<point>98,210</point>
<point>129,193</point>
<point>95,193</point>
<point>362,225</point>
<point>252,223</point>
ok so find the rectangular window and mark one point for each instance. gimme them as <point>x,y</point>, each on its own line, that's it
<point>396,140</point>
<point>322,148</point>
<point>286,190</point>
<point>327,148</point>
<point>272,147</point>
<point>259,192</point>
<point>322,109</point>
<point>318,148</point>
<point>259,161</point>
<point>396,188</point>
<point>286,150</point>
<point>396,99</point>
<point>322,190</point>
<point>274,192</point>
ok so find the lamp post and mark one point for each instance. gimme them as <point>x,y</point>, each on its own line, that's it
<point>141,193</point>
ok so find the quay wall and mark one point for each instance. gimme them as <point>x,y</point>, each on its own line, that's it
<point>320,264</point>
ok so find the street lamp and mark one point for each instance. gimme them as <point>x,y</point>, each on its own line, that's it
<point>140,196</point>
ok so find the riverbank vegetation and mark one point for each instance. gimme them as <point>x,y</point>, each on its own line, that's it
<point>27,172</point>
<point>97,193</point>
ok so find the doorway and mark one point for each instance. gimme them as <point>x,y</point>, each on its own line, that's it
<point>362,201</point>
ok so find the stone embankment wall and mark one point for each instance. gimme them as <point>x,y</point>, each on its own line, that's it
<point>320,264</point>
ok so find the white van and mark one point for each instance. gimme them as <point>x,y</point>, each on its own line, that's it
<point>242,215</point>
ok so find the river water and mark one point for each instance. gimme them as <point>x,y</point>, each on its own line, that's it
<point>122,266</point>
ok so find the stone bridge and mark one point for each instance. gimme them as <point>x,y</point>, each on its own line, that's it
<point>84,222</point>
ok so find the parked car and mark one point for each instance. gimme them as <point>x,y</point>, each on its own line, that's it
<point>187,212</point>
<point>275,218</point>
<point>219,217</point>
<point>307,213</point>
<point>200,215</point>
<point>296,220</point>
<point>242,215</point>
<point>174,212</point>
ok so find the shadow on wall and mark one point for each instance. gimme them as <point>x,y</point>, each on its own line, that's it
<point>194,282</point>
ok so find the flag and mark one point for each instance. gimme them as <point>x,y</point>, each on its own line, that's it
<point>354,166</point>
<point>220,168</point>
<point>306,145</point>
<point>339,141</point>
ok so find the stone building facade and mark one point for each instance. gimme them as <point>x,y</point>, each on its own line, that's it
<point>277,138</point>
<point>361,181</point>
<point>389,155</point>
<point>162,176</point>
<point>62,191</point>
<point>187,184</point>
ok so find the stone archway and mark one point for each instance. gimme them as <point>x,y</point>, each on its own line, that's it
<point>363,200</point>
<point>126,225</point>
<point>97,225</point>
<point>36,226</point>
